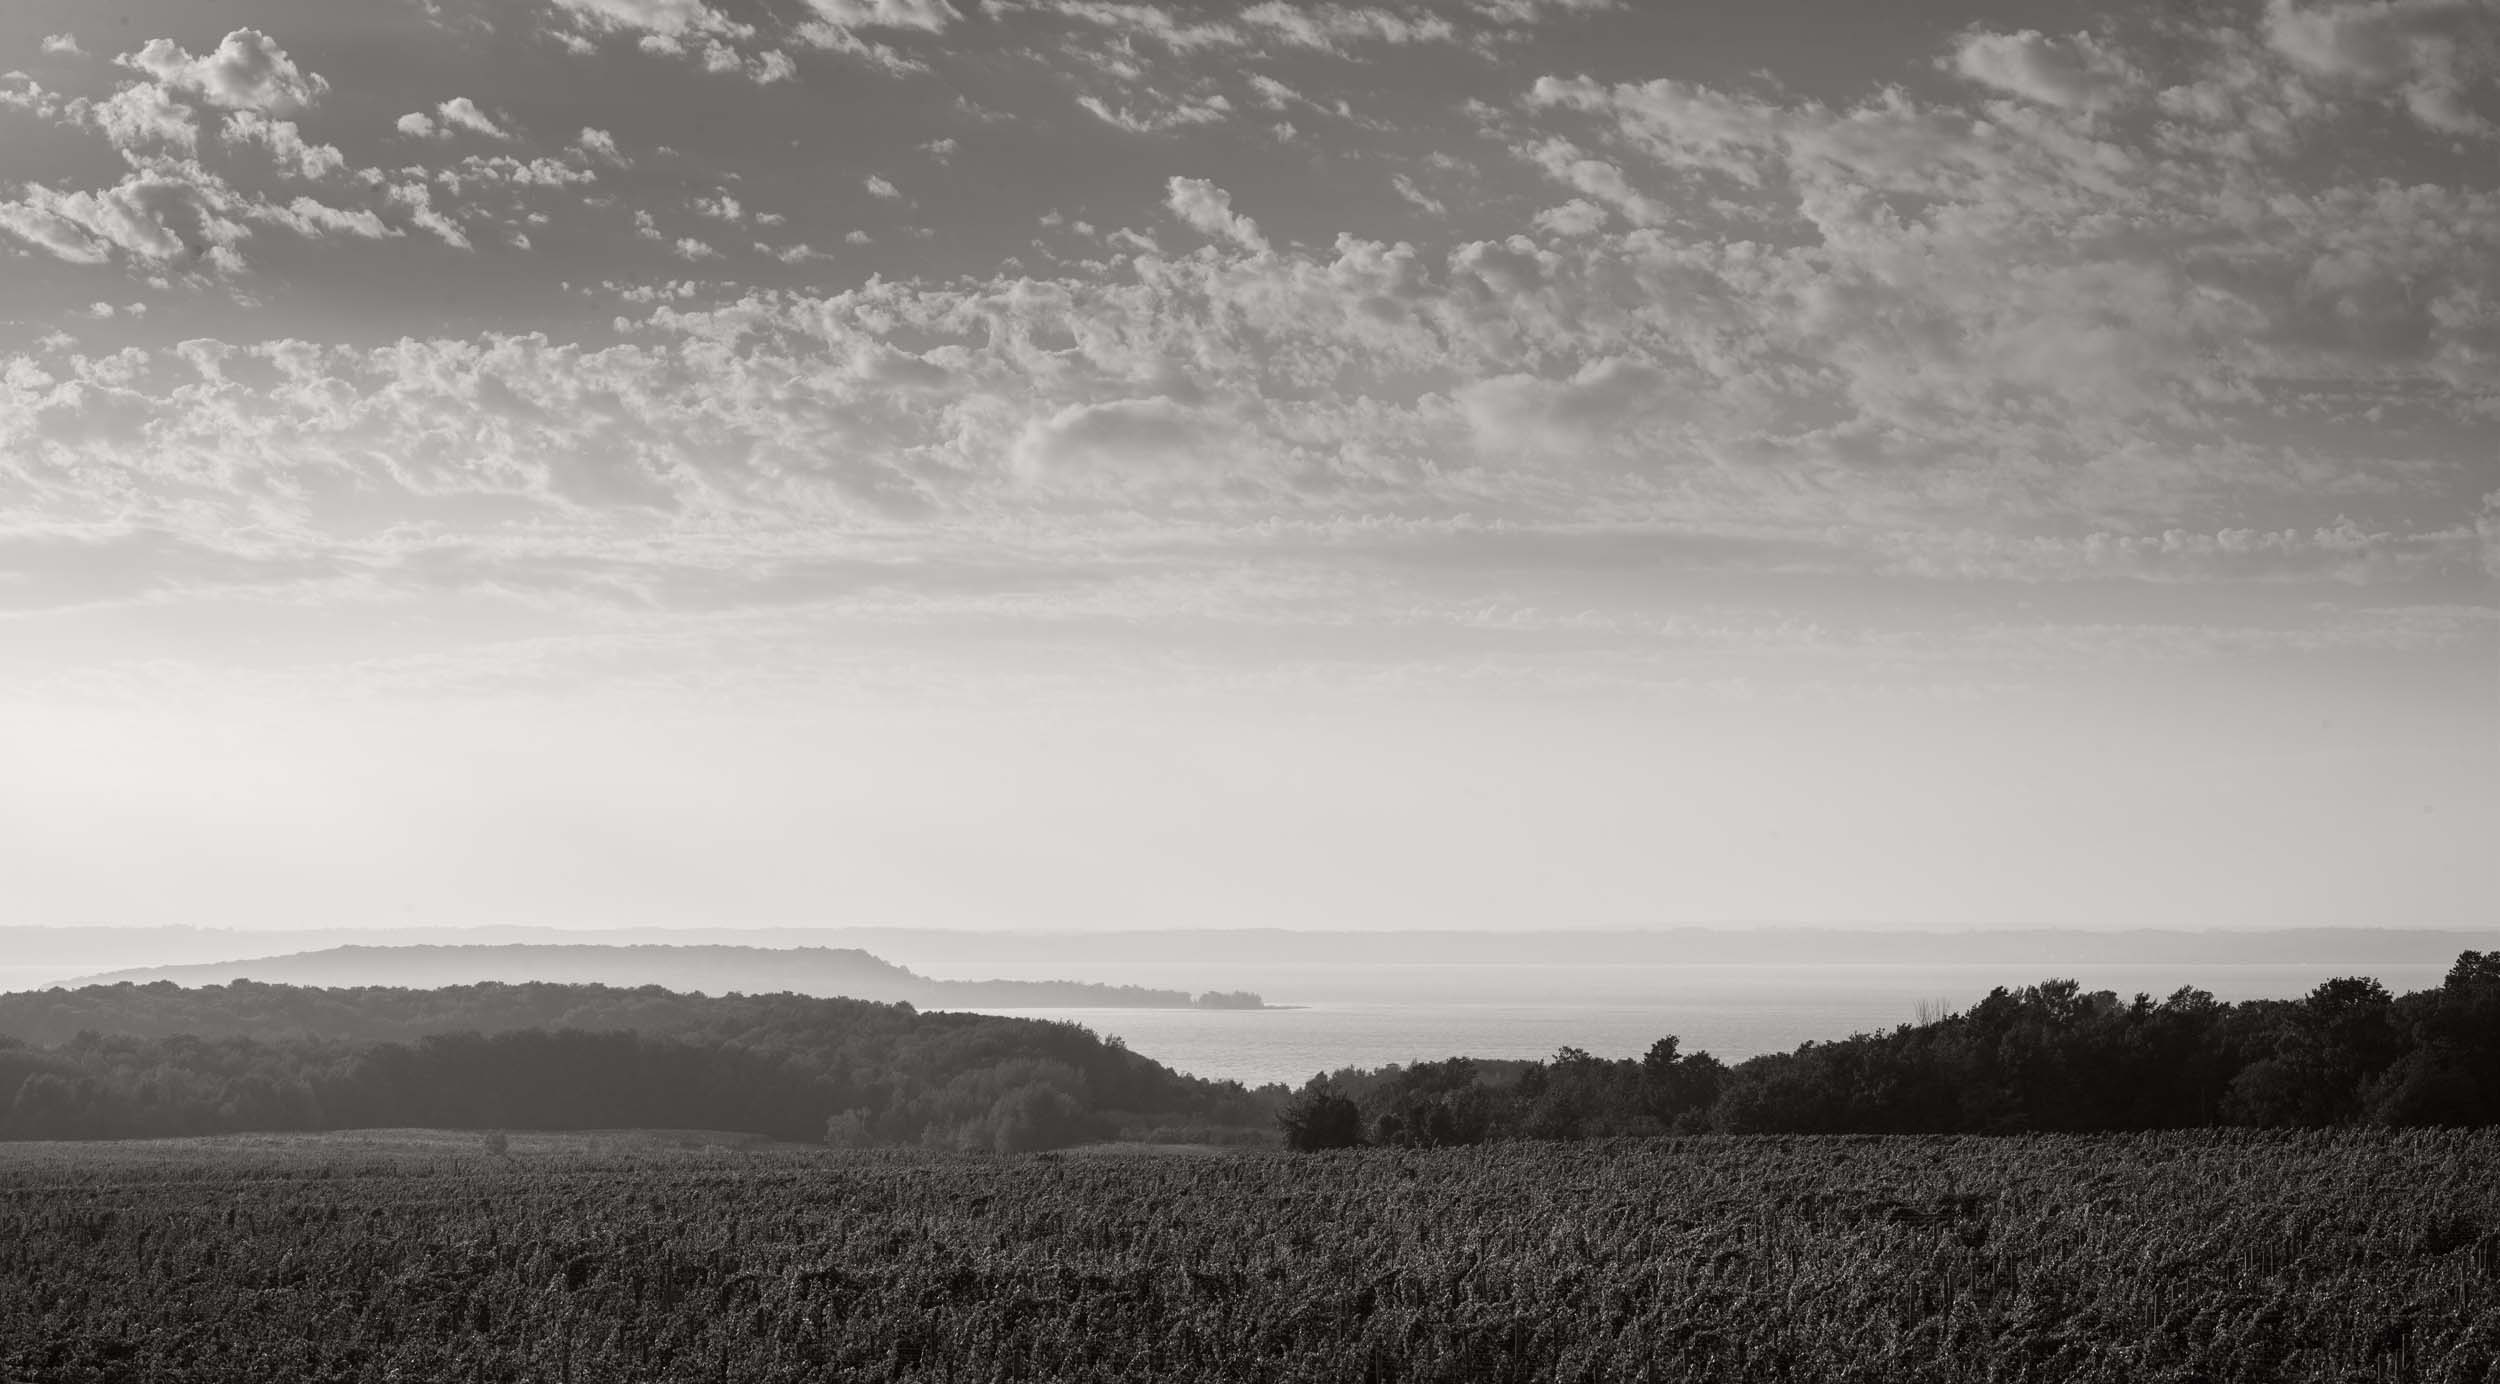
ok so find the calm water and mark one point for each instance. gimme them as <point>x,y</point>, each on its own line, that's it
<point>1371,1016</point>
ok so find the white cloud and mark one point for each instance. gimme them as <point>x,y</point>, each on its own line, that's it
<point>63,45</point>
<point>458,113</point>
<point>1210,209</point>
<point>419,201</point>
<point>247,71</point>
<point>928,16</point>
<point>2075,72</point>
<point>601,145</point>
<point>1513,414</point>
<point>1158,114</point>
<point>1275,95</point>
<point>287,144</point>
<point>144,113</point>
<point>1150,442</point>
<point>2432,53</point>
<point>32,97</point>
<point>879,187</point>
<point>1335,28</point>
<point>462,113</point>
<point>504,170</point>
<point>1847,328</point>
<point>1600,181</point>
<point>312,219</point>
<point>1538,11</point>
<point>1416,197</point>
<point>666,18</point>
<point>167,213</point>
<point>1579,216</point>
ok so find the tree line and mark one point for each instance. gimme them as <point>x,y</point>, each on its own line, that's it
<point>158,1060</point>
<point>2043,1058</point>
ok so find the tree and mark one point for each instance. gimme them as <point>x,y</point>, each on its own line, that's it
<point>849,1129</point>
<point>1320,1118</point>
<point>1678,1085</point>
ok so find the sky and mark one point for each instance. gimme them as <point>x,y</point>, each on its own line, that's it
<point>1078,464</point>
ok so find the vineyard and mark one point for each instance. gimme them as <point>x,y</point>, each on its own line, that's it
<point>2215,1257</point>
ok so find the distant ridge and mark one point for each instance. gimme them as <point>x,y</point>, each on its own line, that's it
<point>820,971</point>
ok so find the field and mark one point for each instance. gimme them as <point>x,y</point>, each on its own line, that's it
<point>417,1256</point>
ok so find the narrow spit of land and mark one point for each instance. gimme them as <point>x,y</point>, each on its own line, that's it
<point>2207,1256</point>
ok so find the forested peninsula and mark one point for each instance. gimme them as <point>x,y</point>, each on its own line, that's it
<point>844,972</point>
<point>127,1060</point>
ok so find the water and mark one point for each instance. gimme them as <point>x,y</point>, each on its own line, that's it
<point>1369,1016</point>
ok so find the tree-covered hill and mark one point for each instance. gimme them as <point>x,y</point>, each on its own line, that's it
<point>845,972</point>
<point>2043,1058</point>
<point>127,1060</point>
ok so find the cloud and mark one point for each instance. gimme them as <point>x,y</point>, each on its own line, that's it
<point>144,113</point>
<point>418,199</point>
<point>928,16</point>
<point>63,45</point>
<point>1577,217</point>
<point>462,113</point>
<point>668,18</point>
<point>1210,209</point>
<point>1416,197</point>
<point>1129,443</point>
<point>1158,114</point>
<point>1151,22</point>
<point>287,144</point>
<point>165,213</point>
<point>1601,181</point>
<point>312,219</point>
<point>1568,418</point>
<point>879,187</point>
<point>2431,52</point>
<point>1336,28</point>
<point>2072,73</point>
<point>600,145</point>
<point>1959,263</point>
<point>458,113</point>
<point>247,71</point>
<point>1683,125</point>
<point>1833,332</point>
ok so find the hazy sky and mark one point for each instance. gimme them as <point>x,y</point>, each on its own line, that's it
<point>1073,463</point>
